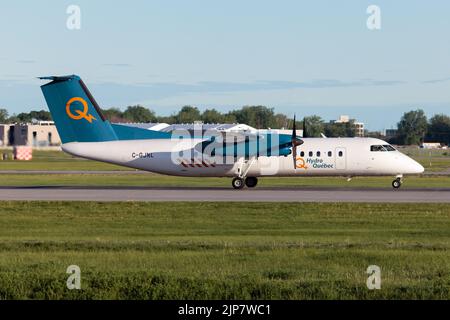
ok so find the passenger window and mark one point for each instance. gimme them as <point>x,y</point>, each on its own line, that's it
<point>341,153</point>
<point>318,153</point>
<point>310,153</point>
<point>302,154</point>
<point>329,153</point>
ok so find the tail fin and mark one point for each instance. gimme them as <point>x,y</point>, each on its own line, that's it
<point>76,114</point>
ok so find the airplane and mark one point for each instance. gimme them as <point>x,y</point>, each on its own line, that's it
<point>243,156</point>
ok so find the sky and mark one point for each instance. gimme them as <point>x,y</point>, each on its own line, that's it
<point>303,57</point>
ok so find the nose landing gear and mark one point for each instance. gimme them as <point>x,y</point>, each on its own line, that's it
<point>397,183</point>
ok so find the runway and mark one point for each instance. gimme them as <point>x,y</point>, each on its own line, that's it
<point>303,194</point>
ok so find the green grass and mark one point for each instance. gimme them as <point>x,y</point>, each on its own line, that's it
<point>154,180</point>
<point>138,250</point>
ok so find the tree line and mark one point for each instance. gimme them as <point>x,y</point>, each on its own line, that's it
<point>255,116</point>
<point>413,127</point>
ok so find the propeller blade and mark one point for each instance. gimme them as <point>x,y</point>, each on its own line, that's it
<point>294,156</point>
<point>294,130</point>
<point>295,142</point>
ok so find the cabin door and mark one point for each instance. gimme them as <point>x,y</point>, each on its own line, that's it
<point>340,159</point>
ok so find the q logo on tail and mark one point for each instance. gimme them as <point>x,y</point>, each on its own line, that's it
<point>80,114</point>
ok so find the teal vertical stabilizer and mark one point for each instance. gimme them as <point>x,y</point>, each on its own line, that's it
<point>76,114</point>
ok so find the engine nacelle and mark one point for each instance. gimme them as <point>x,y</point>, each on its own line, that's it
<point>285,151</point>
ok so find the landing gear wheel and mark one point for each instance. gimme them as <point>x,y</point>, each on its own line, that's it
<point>397,183</point>
<point>251,182</point>
<point>238,183</point>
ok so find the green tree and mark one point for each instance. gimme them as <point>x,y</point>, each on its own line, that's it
<point>334,130</point>
<point>13,119</point>
<point>3,115</point>
<point>188,114</point>
<point>412,127</point>
<point>281,121</point>
<point>229,118</point>
<point>139,113</point>
<point>345,129</point>
<point>256,116</point>
<point>24,117</point>
<point>169,119</point>
<point>350,128</point>
<point>314,126</point>
<point>27,117</point>
<point>113,114</point>
<point>439,129</point>
<point>373,134</point>
<point>41,115</point>
<point>212,116</point>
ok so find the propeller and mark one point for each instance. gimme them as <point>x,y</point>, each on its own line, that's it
<point>295,143</point>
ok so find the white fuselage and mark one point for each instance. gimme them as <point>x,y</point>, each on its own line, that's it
<point>315,157</point>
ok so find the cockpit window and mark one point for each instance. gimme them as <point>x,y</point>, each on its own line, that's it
<point>377,148</point>
<point>389,147</point>
<point>385,147</point>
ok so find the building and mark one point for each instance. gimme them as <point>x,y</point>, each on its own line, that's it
<point>36,135</point>
<point>4,130</point>
<point>431,145</point>
<point>359,129</point>
<point>359,126</point>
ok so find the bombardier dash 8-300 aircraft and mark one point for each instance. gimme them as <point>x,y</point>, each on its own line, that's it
<point>244,156</point>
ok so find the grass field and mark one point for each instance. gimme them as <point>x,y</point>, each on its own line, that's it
<point>238,251</point>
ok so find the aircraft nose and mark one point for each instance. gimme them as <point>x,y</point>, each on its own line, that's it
<point>420,168</point>
<point>416,167</point>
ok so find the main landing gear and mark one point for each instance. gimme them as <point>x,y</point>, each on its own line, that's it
<point>397,183</point>
<point>242,180</point>
<point>250,182</point>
